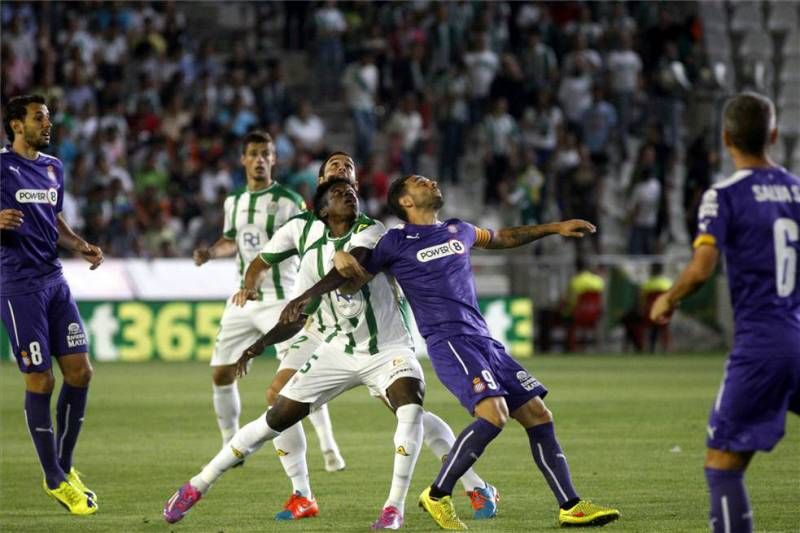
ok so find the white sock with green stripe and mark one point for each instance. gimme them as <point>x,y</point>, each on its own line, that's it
<point>228,407</point>
<point>290,446</point>
<point>407,443</point>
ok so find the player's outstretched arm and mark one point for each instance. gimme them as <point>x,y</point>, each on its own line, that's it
<point>281,332</point>
<point>224,247</point>
<point>71,241</point>
<point>697,272</point>
<point>350,267</point>
<point>252,279</point>
<point>521,235</point>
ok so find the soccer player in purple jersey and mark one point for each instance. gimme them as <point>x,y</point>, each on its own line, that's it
<point>430,261</point>
<point>753,218</point>
<point>38,310</point>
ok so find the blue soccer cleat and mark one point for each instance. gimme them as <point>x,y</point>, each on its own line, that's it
<point>484,502</point>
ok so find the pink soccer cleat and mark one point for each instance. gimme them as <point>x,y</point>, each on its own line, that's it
<point>390,518</point>
<point>180,503</point>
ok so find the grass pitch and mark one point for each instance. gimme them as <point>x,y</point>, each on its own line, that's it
<point>633,429</point>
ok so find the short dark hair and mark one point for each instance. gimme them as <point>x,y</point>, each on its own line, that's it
<point>321,171</point>
<point>320,195</point>
<point>749,118</point>
<point>256,137</point>
<point>17,108</point>
<point>396,190</point>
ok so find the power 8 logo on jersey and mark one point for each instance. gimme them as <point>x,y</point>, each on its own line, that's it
<point>250,239</point>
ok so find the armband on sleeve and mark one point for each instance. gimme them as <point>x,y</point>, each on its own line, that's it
<point>483,237</point>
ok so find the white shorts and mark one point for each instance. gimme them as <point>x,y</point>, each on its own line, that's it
<point>242,326</point>
<point>329,372</point>
<point>298,349</point>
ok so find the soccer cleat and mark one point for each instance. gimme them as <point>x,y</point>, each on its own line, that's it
<point>334,462</point>
<point>73,478</point>
<point>484,502</point>
<point>586,514</point>
<point>180,503</point>
<point>297,507</point>
<point>442,511</point>
<point>390,518</point>
<point>72,498</point>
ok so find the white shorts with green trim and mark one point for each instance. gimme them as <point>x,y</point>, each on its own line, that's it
<point>242,326</point>
<point>329,372</point>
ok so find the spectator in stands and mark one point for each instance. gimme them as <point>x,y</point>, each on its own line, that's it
<point>273,96</point>
<point>360,83</point>
<point>330,25</point>
<point>624,70</point>
<point>482,66</point>
<point>306,129</point>
<point>598,126</point>
<point>541,127</point>
<point>452,117</point>
<point>500,136</point>
<point>575,92</point>
<point>539,64</point>
<point>581,191</point>
<point>637,321</point>
<point>645,200</point>
<point>510,85</point>
<point>406,131</point>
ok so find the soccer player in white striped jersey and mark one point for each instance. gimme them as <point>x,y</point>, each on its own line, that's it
<point>366,341</point>
<point>251,219</point>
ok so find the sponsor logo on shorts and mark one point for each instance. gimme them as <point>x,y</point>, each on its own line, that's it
<point>237,453</point>
<point>527,381</point>
<point>444,458</point>
<point>478,385</point>
<point>397,372</point>
<point>401,450</point>
<point>75,336</point>
<point>25,359</point>
<point>451,247</point>
<point>37,196</point>
<point>281,453</point>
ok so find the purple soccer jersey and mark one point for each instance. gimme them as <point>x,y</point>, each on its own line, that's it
<point>38,310</point>
<point>432,265</point>
<point>29,256</point>
<point>754,220</point>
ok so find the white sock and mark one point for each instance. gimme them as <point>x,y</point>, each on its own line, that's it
<point>407,443</point>
<point>228,406</point>
<point>246,441</point>
<point>321,421</point>
<point>290,446</point>
<point>440,438</point>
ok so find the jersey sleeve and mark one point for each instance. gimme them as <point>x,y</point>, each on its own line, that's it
<point>305,280</point>
<point>368,237</point>
<point>713,219</point>
<point>383,254</point>
<point>482,237</point>
<point>228,228</point>
<point>283,243</point>
<point>63,190</point>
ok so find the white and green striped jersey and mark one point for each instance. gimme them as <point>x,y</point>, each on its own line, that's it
<point>295,237</point>
<point>251,219</point>
<point>366,322</point>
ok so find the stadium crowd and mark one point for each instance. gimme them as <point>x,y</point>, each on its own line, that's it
<point>554,99</point>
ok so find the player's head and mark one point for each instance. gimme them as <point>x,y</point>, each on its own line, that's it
<point>26,118</point>
<point>336,197</point>
<point>338,165</point>
<point>258,156</point>
<point>748,124</point>
<point>414,192</point>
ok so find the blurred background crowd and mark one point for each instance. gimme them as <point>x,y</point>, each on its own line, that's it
<point>526,112</point>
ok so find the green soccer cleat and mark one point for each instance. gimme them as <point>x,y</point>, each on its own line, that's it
<point>73,499</point>
<point>586,514</point>
<point>442,511</point>
<point>73,478</point>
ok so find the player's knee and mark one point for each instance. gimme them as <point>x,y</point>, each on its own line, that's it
<point>285,413</point>
<point>494,410</point>
<point>80,377</point>
<point>406,391</point>
<point>40,382</point>
<point>726,460</point>
<point>272,394</point>
<point>223,375</point>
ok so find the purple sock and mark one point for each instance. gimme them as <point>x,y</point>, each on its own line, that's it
<point>465,451</point>
<point>730,507</point>
<point>69,418</point>
<point>552,462</point>
<point>40,425</point>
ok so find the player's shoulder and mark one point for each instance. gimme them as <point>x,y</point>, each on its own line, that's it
<point>50,159</point>
<point>304,217</point>
<point>364,222</point>
<point>283,192</point>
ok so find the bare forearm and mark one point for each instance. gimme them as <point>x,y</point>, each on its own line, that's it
<point>67,238</point>
<point>696,273</point>
<point>255,273</point>
<point>282,332</point>
<point>521,235</point>
<point>332,281</point>
<point>224,247</point>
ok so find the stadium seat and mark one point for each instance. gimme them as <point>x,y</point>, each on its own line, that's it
<point>747,16</point>
<point>585,319</point>
<point>790,75</point>
<point>789,121</point>
<point>756,45</point>
<point>783,17</point>
<point>791,45</point>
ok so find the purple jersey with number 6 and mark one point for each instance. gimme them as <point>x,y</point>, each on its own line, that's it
<point>753,218</point>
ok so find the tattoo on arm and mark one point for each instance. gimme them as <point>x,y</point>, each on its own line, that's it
<point>519,236</point>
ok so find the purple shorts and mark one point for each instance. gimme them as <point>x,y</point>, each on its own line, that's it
<point>474,368</point>
<point>42,325</point>
<point>749,413</point>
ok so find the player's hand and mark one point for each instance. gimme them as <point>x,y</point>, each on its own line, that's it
<point>241,297</point>
<point>91,253</point>
<point>662,309</point>
<point>291,313</point>
<point>575,228</point>
<point>348,266</point>
<point>10,218</point>
<point>243,364</point>
<point>201,255</point>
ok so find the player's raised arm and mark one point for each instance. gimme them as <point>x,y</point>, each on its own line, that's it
<point>71,241</point>
<point>224,247</point>
<point>521,235</point>
<point>696,273</point>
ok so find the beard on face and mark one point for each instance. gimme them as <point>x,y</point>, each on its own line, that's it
<point>37,142</point>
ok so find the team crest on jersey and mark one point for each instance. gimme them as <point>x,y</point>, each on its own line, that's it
<point>51,173</point>
<point>478,385</point>
<point>37,196</point>
<point>348,305</point>
<point>451,247</point>
<point>75,335</point>
<point>25,359</point>
<point>272,208</point>
<point>527,381</point>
